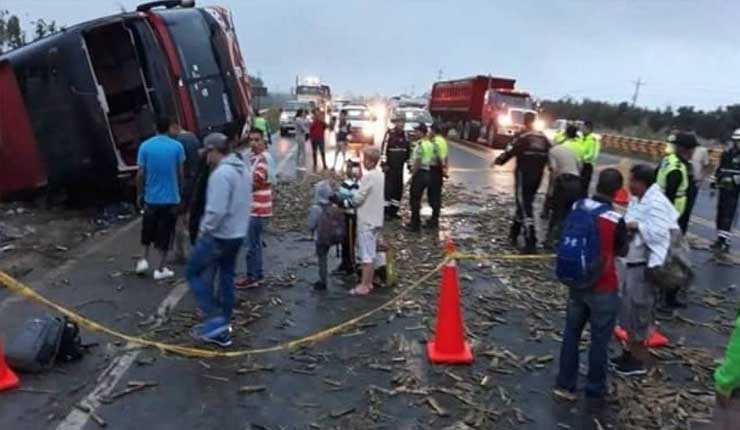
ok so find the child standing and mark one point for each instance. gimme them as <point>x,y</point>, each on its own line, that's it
<point>345,196</point>
<point>321,204</point>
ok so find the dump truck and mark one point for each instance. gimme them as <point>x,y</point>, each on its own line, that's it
<point>481,107</point>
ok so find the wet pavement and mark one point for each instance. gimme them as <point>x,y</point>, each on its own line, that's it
<point>374,375</point>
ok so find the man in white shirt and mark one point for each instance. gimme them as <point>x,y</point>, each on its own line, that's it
<point>370,204</point>
<point>566,189</point>
<point>651,219</point>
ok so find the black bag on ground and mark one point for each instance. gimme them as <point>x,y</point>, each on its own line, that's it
<point>70,346</point>
<point>35,347</point>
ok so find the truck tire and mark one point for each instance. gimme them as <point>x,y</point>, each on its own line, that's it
<point>490,135</point>
<point>466,131</point>
<point>474,133</point>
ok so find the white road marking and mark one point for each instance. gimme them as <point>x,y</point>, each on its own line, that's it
<point>107,381</point>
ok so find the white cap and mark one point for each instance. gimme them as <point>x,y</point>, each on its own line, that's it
<point>736,134</point>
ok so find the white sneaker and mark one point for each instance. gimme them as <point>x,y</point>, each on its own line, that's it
<point>142,266</point>
<point>165,273</point>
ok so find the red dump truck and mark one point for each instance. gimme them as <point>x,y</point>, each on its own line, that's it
<point>481,106</point>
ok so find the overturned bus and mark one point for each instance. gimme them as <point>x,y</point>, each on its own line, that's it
<point>75,106</point>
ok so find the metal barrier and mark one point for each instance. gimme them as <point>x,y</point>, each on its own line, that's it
<point>652,150</point>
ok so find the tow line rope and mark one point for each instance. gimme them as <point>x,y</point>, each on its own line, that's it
<point>23,290</point>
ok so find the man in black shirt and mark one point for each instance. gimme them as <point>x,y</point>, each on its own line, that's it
<point>531,150</point>
<point>396,151</point>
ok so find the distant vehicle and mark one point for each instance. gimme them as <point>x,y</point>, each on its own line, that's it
<point>482,106</point>
<point>287,116</point>
<point>413,116</point>
<point>364,124</point>
<point>76,105</point>
<point>313,91</point>
<point>560,124</point>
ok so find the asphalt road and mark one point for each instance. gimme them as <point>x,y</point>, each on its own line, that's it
<point>322,386</point>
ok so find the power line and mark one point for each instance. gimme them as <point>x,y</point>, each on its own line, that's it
<point>638,83</point>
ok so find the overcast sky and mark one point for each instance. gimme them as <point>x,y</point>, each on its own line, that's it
<point>687,51</point>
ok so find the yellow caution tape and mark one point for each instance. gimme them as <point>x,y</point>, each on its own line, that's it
<point>23,290</point>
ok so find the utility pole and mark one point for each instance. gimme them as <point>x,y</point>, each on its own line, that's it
<point>439,75</point>
<point>638,83</point>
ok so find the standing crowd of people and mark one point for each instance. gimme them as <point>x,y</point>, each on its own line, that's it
<point>625,261</point>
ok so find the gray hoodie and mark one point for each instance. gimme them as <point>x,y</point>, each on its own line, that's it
<point>228,200</point>
<point>321,193</point>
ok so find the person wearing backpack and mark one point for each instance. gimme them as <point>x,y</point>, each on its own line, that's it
<point>326,223</point>
<point>594,235</point>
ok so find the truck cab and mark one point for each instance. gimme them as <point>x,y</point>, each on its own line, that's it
<point>503,114</point>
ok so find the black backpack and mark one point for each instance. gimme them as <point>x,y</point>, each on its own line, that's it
<point>42,342</point>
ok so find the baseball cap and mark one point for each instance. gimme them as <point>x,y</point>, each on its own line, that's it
<point>216,141</point>
<point>684,140</point>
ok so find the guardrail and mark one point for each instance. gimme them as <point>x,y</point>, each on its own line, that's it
<point>652,150</point>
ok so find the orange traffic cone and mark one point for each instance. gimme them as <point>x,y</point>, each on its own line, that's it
<point>655,339</point>
<point>8,379</point>
<point>622,198</point>
<point>448,345</point>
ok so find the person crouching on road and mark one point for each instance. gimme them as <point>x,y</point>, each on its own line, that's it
<point>727,180</point>
<point>370,204</point>
<point>321,203</point>
<point>651,222</point>
<point>531,150</point>
<point>222,230</point>
<point>261,209</point>
<point>421,161</point>
<point>159,183</point>
<point>566,189</point>
<point>345,198</point>
<point>598,306</point>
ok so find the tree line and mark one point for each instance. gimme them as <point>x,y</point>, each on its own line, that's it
<point>717,124</point>
<point>12,34</point>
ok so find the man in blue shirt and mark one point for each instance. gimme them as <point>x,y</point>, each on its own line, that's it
<point>159,183</point>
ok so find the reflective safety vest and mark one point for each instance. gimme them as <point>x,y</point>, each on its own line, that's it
<point>577,146</point>
<point>559,137</point>
<point>670,163</point>
<point>591,148</point>
<point>440,150</point>
<point>424,152</point>
<point>260,123</point>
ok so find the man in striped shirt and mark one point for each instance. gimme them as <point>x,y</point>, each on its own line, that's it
<point>261,209</point>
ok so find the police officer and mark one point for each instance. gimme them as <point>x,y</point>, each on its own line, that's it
<point>421,162</point>
<point>531,150</point>
<point>674,179</point>
<point>673,175</point>
<point>396,151</point>
<point>727,179</point>
<point>437,173</point>
<point>591,148</point>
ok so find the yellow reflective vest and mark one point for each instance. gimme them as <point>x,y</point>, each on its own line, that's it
<point>670,163</point>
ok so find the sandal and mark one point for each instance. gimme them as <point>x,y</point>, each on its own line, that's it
<point>360,291</point>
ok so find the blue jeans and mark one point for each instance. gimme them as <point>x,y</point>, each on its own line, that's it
<point>209,255</point>
<point>255,269</point>
<point>600,310</point>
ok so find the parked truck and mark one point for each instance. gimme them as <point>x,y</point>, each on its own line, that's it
<point>481,106</point>
<point>76,105</point>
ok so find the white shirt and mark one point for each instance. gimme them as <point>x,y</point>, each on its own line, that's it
<point>699,163</point>
<point>655,217</point>
<point>370,200</point>
<point>563,160</point>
